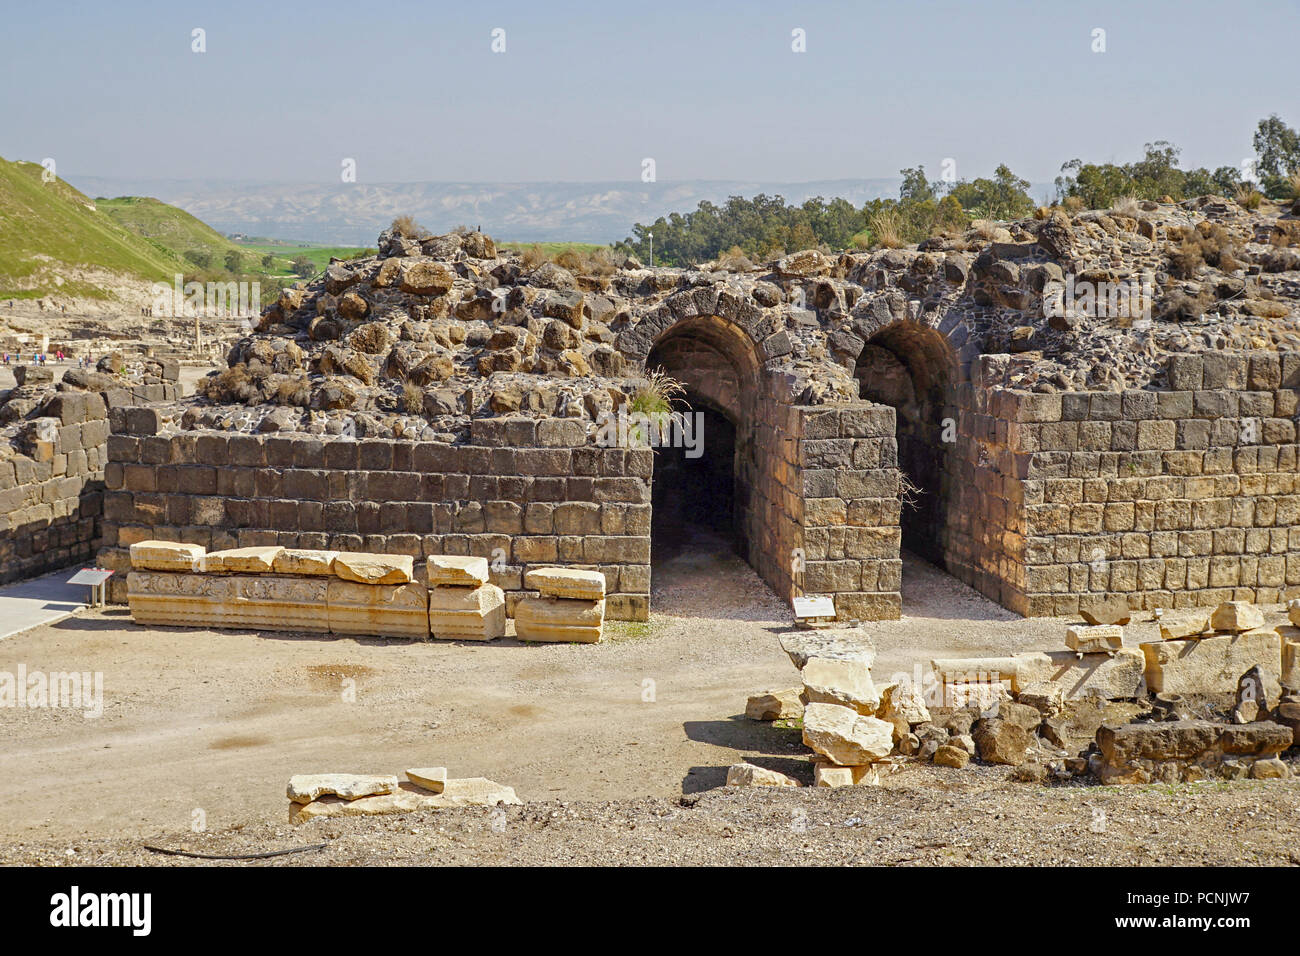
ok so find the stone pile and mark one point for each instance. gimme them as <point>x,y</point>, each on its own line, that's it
<point>344,794</point>
<point>347,592</point>
<point>462,604</point>
<point>570,606</point>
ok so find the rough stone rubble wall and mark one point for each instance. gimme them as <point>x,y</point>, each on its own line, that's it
<point>1177,498</point>
<point>521,498</point>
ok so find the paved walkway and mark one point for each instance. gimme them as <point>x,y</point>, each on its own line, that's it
<point>40,601</point>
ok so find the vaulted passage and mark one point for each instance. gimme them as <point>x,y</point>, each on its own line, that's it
<point>908,366</point>
<point>694,497</point>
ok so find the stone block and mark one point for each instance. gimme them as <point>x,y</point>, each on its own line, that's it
<point>566,583</point>
<point>559,619</point>
<point>1236,616</point>
<point>847,683</point>
<point>827,774</point>
<point>467,614</point>
<point>1213,665</point>
<point>255,560</point>
<point>1096,639</point>
<point>748,775</point>
<point>304,561</point>
<point>456,570</point>
<point>433,779</point>
<point>1116,676</point>
<point>377,610</point>
<point>364,567</point>
<point>306,787</point>
<point>1290,676</point>
<point>166,556</point>
<point>775,705</point>
<point>177,599</point>
<point>462,792</point>
<point>846,737</point>
<point>276,603</point>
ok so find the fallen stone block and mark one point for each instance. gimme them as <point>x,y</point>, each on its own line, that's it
<point>166,556</point>
<point>903,702</point>
<point>466,792</point>
<point>1045,697</point>
<point>1001,741</point>
<point>1105,609</point>
<point>1288,715</point>
<point>827,774</point>
<point>1097,639</point>
<point>975,696</point>
<point>559,620</point>
<point>467,614</point>
<point>1236,616</point>
<point>975,670</point>
<point>257,560</point>
<point>1293,611</point>
<point>1290,676</point>
<point>1212,665</point>
<point>276,603</point>
<point>1183,749</point>
<point>1022,715</point>
<point>1114,676</point>
<point>846,737</point>
<point>304,561</point>
<point>748,775</point>
<point>169,599</point>
<point>1077,723</point>
<point>841,644</point>
<point>433,779</point>
<point>848,683</point>
<point>1270,768</point>
<point>775,705</point>
<point>443,569</point>
<point>949,755</point>
<point>1192,627</point>
<point>306,787</point>
<point>566,583</point>
<point>365,568</point>
<point>377,610</point>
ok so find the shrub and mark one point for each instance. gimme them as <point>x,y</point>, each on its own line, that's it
<point>408,228</point>
<point>1248,197</point>
<point>532,257</point>
<point>886,229</point>
<point>1125,206</point>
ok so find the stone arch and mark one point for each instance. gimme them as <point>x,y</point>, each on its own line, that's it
<point>914,368</point>
<point>762,332</point>
<point>718,363</point>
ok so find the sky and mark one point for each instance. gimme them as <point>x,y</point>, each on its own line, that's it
<point>586,91</point>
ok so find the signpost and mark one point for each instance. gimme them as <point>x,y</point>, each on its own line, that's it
<point>94,579</point>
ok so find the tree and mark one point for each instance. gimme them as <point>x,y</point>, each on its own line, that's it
<point>303,267</point>
<point>1004,196</point>
<point>1277,152</point>
<point>268,261</point>
<point>234,260</point>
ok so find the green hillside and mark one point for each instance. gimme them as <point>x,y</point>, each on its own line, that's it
<point>51,232</point>
<point>196,242</point>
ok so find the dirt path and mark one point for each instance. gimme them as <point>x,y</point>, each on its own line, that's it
<point>217,721</point>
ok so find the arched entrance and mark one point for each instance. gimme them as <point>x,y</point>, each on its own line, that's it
<point>702,497</point>
<point>910,367</point>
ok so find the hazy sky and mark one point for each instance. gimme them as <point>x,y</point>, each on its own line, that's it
<point>585,91</point>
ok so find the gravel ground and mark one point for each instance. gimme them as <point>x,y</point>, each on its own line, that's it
<point>618,750</point>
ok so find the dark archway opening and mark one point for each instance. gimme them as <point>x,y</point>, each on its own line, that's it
<point>693,498</point>
<point>908,367</point>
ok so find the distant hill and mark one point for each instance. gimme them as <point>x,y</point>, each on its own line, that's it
<point>54,239</point>
<point>354,213</point>
<point>192,239</point>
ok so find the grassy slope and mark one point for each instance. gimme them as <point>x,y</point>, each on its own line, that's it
<point>56,221</point>
<point>172,227</point>
<point>284,252</point>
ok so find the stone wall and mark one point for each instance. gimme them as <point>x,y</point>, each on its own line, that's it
<point>1175,498</point>
<point>521,496</point>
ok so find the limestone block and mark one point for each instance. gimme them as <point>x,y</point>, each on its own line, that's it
<point>904,702</point>
<point>177,599</point>
<point>456,570</point>
<point>566,583</point>
<point>827,774</point>
<point>433,779</point>
<point>846,737</point>
<point>974,670</point>
<point>1105,609</point>
<point>257,560</point>
<point>377,610</point>
<point>464,792</point>
<point>467,614</point>
<point>748,775</point>
<point>365,568</point>
<point>166,556</point>
<point>1293,611</point>
<point>1290,676</point>
<point>276,603</point>
<point>977,695</point>
<point>1097,639</point>
<point>559,619</point>
<point>950,755</point>
<point>775,705</point>
<point>306,787</point>
<point>1114,676</point>
<point>304,561</point>
<point>1236,616</point>
<point>1213,665</point>
<point>1192,627</point>
<point>848,683</point>
<point>849,644</point>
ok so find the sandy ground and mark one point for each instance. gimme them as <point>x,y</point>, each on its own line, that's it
<point>205,725</point>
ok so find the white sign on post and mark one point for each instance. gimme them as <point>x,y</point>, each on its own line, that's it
<point>806,607</point>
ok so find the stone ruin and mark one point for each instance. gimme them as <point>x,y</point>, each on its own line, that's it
<point>1216,696</point>
<point>961,400</point>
